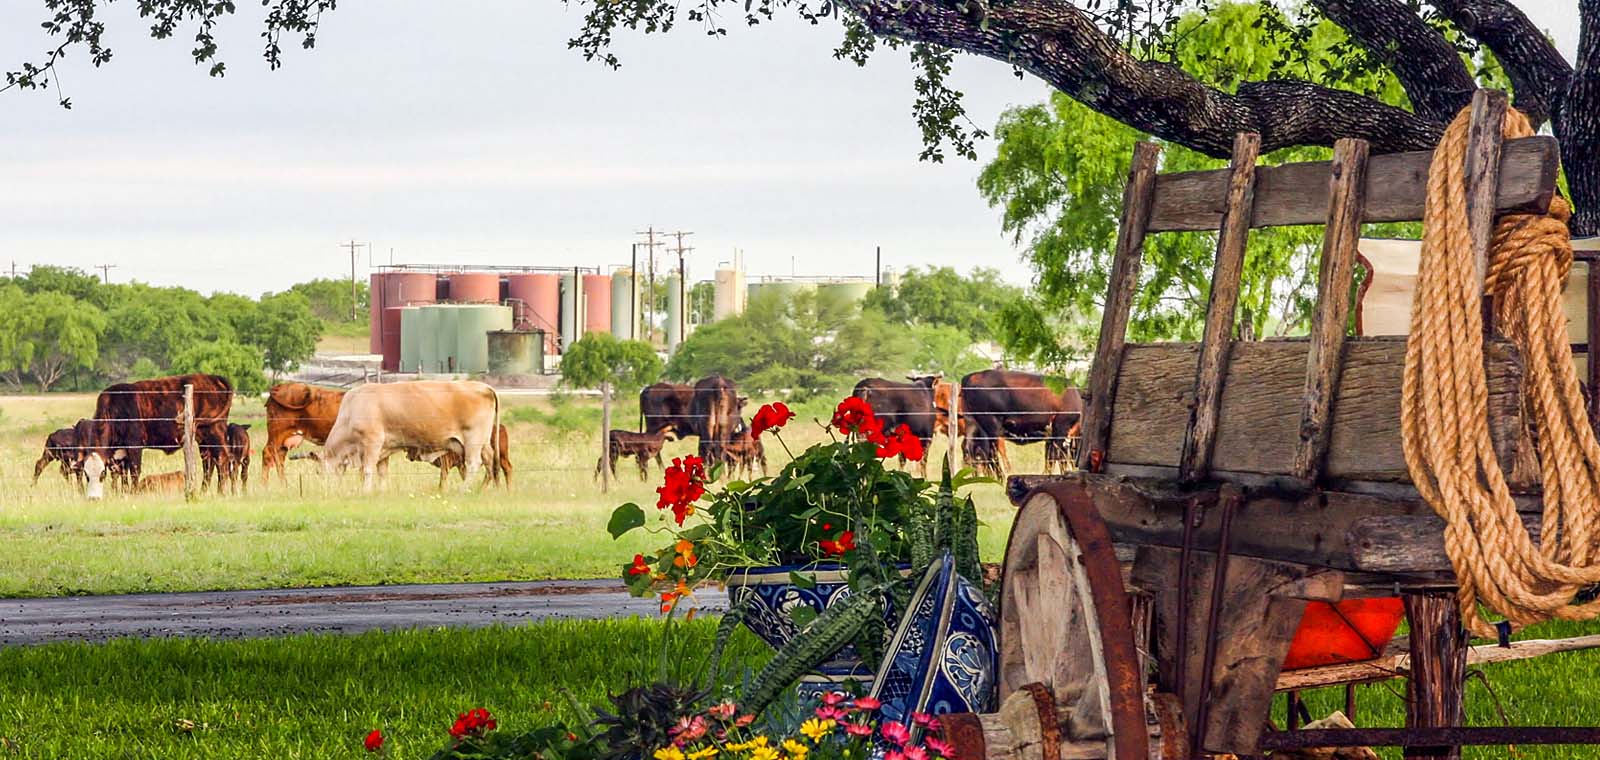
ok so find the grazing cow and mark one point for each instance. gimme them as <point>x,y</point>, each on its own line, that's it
<point>745,453</point>
<point>297,412</point>
<point>131,417</point>
<point>60,446</point>
<point>166,482</point>
<point>448,460</point>
<point>910,404</point>
<point>626,443</point>
<point>238,458</point>
<point>666,407</point>
<point>1017,406</point>
<point>432,417</point>
<point>713,413</point>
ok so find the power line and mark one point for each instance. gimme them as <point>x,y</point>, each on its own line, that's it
<point>353,245</point>
<point>683,277</point>
<point>105,271</point>
<point>651,243</point>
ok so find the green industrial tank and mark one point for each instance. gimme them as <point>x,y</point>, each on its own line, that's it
<point>474,322</point>
<point>625,309</point>
<point>518,352</point>
<point>410,338</point>
<point>571,302</point>
<point>848,292</point>
<point>428,318</point>
<point>785,289</point>
<point>675,320</point>
<point>446,360</point>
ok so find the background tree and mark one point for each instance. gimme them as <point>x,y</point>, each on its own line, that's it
<point>702,302</point>
<point>285,329</point>
<point>239,363</point>
<point>942,296</point>
<point>330,300</point>
<point>67,335</point>
<point>601,360</point>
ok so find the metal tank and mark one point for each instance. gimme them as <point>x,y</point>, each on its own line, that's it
<point>428,318</point>
<point>571,305</point>
<point>597,303</point>
<point>539,299</point>
<point>473,324</point>
<point>475,287</point>
<point>448,318</point>
<point>375,313</point>
<point>519,352</point>
<point>625,311</point>
<point>410,338</point>
<point>675,318</point>
<point>846,292</point>
<point>391,339</point>
<point>729,294</point>
<point>785,289</point>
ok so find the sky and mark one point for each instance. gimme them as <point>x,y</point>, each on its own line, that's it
<point>467,133</point>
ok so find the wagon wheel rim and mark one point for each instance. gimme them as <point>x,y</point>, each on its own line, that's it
<point>1066,621</point>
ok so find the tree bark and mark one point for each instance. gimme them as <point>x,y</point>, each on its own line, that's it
<point>1428,66</point>
<point>1577,125</point>
<point>1538,72</point>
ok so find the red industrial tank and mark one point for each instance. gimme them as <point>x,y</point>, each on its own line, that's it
<point>408,289</point>
<point>538,305</point>
<point>391,338</point>
<point>597,303</point>
<point>475,287</point>
<point>375,313</point>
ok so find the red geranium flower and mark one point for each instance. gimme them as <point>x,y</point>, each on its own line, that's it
<point>640,567</point>
<point>902,443</point>
<point>770,417</point>
<point>855,415</point>
<point>684,484</point>
<point>846,542</point>
<point>475,722</point>
<point>374,741</point>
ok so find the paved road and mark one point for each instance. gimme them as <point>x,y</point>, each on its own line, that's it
<point>280,612</point>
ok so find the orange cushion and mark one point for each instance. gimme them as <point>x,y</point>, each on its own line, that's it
<point>1347,631</point>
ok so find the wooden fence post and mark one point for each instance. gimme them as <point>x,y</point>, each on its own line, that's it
<point>605,436</point>
<point>191,447</point>
<point>952,427</point>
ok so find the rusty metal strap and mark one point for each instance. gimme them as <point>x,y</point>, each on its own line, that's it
<point>1429,737</point>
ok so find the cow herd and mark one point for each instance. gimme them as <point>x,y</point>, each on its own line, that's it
<point>993,406</point>
<point>453,425</point>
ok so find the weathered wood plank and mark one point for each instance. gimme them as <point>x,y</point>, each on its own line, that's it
<point>1137,197</point>
<point>1346,198</point>
<point>1217,338</point>
<point>1261,607</point>
<point>1259,417</point>
<point>1398,665</point>
<point>1438,668</point>
<point>1391,543</point>
<point>1482,172</point>
<point>1298,193</point>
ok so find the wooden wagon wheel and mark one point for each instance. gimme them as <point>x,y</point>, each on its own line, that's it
<point>1065,621</point>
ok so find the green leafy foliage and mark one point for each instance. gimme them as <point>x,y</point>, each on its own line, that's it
<point>599,360</point>
<point>942,297</point>
<point>284,328</point>
<point>330,300</point>
<point>45,333</point>
<point>241,364</point>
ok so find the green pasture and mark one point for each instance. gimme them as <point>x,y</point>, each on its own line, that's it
<point>314,530</point>
<point>316,696</point>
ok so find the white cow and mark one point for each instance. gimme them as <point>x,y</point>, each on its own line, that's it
<point>429,417</point>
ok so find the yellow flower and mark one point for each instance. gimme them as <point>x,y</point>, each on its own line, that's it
<point>796,750</point>
<point>669,753</point>
<point>759,741</point>
<point>702,754</point>
<point>815,729</point>
<point>764,753</point>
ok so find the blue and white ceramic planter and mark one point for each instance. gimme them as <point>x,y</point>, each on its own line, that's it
<point>943,657</point>
<point>770,594</point>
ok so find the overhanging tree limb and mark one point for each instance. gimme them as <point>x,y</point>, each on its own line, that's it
<point>1427,65</point>
<point>1538,73</point>
<point>1060,44</point>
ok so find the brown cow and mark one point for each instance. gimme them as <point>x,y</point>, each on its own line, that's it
<point>664,407</point>
<point>1018,406</point>
<point>238,472</point>
<point>60,446</point>
<point>378,420</point>
<point>166,482</point>
<point>297,412</point>
<point>131,417</point>
<point>449,460</point>
<point>910,404</point>
<point>745,453</point>
<point>626,443</point>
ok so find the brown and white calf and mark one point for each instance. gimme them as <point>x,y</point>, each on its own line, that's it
<point>626,443</point>
<point>166,482</point>
<point>745,453</point>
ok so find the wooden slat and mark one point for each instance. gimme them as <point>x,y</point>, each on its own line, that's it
<point>1484,143</point>
<point>1346,187</point>
<point>1298,193</point>
<point>1399,664</point>
<point>1259,419</point>
<point>1413,543</point>
<point>1220,309</point>
<point>1137,196</point>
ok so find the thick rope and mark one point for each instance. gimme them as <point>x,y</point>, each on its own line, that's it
<point>1448,448</point>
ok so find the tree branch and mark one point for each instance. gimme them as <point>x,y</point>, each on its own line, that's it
<point>1577,124</point>
<point>1057,42</point>
<point>1538,73</point>
<point>1428,66</point>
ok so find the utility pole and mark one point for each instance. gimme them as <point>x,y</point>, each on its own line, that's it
<point>353,245</point>
<point>633,306</point>
<point>650,244</point>
<point>105,271</point>
<point>683,275</point>
<point>13,269</point>
<point>877,271</point>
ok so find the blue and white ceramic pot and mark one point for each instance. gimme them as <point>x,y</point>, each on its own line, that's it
<point>770,595</point>
<point>943,656</point>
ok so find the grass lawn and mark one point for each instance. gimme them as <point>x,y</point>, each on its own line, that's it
<point>317,531</point>
<point>316,696</point>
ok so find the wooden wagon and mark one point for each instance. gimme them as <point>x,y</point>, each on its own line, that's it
<point>1149,600</point>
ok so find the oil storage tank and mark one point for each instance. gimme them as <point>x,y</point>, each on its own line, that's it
<point>845,291</point>
<point>428,318</point>
<point>597,303</point>
<point>410,339</point>
<point>391,339</point>
<point>729,293</point>
<point>375,313</point>
<point>516,352</point>
<point>448,319</point>
<point>675,317</point>
<point>473,324</point>
<point>475,287</point>
<point>539,299</point>
<point>624,305</point>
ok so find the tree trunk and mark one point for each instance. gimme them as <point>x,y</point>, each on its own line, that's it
<point>1577,125</point>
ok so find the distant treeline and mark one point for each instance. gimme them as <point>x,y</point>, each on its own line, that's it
<point>61,328</point>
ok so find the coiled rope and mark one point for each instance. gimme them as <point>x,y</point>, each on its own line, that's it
<point>1444,397</point>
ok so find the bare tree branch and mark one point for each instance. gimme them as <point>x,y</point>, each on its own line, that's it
<point>1538,72</point>
<point>1056,41</point>
<point>1577,124</point>
<point>1427,65</point>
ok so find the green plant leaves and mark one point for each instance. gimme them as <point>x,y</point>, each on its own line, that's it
<point>625,518</point>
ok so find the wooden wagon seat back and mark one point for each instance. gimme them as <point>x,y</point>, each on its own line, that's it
<point>1142,404</point>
